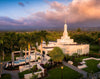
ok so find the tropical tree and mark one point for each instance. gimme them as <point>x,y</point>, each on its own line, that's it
<point>42,35</point>
<point>23,46</point>
<point>57,54</point>
<point>28,37</point>
<point>10,42</point>
<point>34,41</point>
<point>1,42</point>
<point>2,48</point>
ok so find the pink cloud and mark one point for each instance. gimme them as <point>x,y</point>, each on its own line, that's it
<point>78,11</point>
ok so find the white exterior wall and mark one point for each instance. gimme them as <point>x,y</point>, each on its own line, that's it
<point>71,49</point>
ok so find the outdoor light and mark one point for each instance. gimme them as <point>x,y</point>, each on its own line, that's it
<point>62,72</point>
<point>62,67</point>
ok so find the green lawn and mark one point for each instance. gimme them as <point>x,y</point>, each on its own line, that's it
<point>5,76</point>
<point>92,66</point>
<point>94,48</point>
<point>67,73</point>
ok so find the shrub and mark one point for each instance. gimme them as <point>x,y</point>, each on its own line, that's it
<point>47,66</point>
<point>32,70</point>
<point>34,76</point>
<point>5,76</point>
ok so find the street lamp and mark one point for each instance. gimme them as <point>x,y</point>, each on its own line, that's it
<point>62,72</point>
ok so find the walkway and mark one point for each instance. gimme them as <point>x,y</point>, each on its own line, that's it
<point>76,69</point>
<point>14,74</point>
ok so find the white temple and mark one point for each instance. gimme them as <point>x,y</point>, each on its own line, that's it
<point>65,39</point>
<point>67,45</point>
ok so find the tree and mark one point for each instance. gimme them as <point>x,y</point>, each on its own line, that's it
<point>78,30</point>
<point>34,42</point>
<point>2,47</point>
<point>99,45</point>
<point>1,42</point>
<point>43,36</point>
<point>23,45</point>
<point>57,54</point>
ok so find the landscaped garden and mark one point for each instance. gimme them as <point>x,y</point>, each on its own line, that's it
<point>32,70</point>
<point>92,66</point>
<point>5,76</point>
<point>67,73</point>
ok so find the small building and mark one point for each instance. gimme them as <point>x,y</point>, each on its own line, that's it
<point>67,45</point>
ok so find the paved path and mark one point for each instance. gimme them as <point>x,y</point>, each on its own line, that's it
<point>76,69</point>
<point>14,74</point>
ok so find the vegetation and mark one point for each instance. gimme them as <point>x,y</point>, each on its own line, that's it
<point>32,70</point>
<point>14,41</point>
<point>34,76</point>
<point>92,66</point>
<point>67,73</point>
<point>5,76</point>
<point>57,54</point>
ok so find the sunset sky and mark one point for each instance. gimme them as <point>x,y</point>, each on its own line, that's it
<point>36,14</point>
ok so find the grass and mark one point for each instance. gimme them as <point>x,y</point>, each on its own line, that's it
<point>81,58</point>
<point>92,66</point>
<point>67,73</point>
<point>5,76</point>
<point>94,48</point>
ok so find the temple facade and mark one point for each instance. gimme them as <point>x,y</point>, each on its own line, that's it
<point>67,45</point>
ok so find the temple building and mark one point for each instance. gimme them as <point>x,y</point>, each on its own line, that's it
<point>67,45</point>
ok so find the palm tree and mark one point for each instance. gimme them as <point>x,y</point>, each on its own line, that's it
<point>42,36</point>
<point>2,47</point>
<point>23,45</point>
<point>28,38</point>
<point>1,42</point>
<point>34,41</point>
<point>99,44</point>
<point>10,41</point>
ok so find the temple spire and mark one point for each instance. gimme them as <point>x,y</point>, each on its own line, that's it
<point>65,20</point>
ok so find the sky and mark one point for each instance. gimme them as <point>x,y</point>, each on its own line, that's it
<point>39,14</point>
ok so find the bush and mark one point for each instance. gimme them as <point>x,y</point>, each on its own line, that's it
<point>47,66</point>
<point>34,76</point>
<point>21,74</point>
<point>38,58</point>
<point>32,70</point>
<point>5,76</point>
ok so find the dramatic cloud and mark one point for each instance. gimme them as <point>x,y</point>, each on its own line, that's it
<point>8,21</point>
<point>57,6</point>
<point>83,10</point>
<point>21,4</point>
<point>77,13</point>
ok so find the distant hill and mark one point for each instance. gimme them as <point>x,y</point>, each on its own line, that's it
<point>60,28</point>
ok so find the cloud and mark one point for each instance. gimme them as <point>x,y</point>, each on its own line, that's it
<point>57,6</point>
<point>78,13</point>
<point>21,4</point>
<point>83,10</point>
<point>8,21</point>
